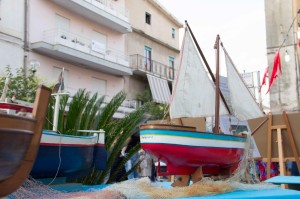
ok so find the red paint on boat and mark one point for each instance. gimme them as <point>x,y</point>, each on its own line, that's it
<point>184,160</point>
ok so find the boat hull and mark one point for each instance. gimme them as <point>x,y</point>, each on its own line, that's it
<point>13,144</point>
<point>68,156</point>
<point>19,143</point>
<point>184,150</point>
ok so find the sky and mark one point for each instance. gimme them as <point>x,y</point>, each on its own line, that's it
<point>240,24</point>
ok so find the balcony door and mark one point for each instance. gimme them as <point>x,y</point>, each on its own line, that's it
<point>148,59</point>
<point>62,23</point>
<point>99,43</point>
<point>171,68</point>
<point>99,86</point>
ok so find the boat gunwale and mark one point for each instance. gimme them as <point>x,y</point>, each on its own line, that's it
<point>16,117</point>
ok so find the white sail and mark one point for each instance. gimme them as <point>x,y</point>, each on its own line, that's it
<point>194,93</point>
<point>243,104</point>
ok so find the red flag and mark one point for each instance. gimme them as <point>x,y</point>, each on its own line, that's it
<point>299,42</point>
<point>274,74</point>
<point>264,78</point>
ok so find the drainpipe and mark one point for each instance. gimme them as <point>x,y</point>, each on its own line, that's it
<point>26,44</point>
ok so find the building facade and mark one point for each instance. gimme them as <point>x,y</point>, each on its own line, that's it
<point>12,34</point>
<point>282,15</point>
<point>85,37</point>
<point>153,45</point>
<point>104,46</point>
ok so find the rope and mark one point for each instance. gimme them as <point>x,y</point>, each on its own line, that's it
<point>59,155</point>
<point>287,34</point>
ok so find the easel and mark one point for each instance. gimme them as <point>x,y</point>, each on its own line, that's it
<point>281,158</point>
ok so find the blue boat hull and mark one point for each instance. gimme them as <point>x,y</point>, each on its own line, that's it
<point>68,156</point>
<point>75,161</point>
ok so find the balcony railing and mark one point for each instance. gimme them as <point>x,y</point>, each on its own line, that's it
<point>77,42</point>
<point>111,8</point>
<point>141,63</point>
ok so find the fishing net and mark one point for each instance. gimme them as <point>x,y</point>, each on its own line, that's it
<point>244,178</point>
<point>32,189</point>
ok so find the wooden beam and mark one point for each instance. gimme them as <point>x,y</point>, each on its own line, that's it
<point>269,146</point>
<point>286,159</point>
<point>292,140</point>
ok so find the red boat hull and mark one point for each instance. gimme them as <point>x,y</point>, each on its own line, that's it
<point>183,160</point>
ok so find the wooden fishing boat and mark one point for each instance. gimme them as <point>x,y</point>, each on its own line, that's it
<point>19,143</point>
<point>185,150</point>
<point>61,155</point>
<point>69,156</point>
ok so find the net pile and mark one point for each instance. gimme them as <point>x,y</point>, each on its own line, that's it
<point>244,178</point>
<point>33,189</point>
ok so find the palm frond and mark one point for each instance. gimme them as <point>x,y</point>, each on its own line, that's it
<point>133,151</point>
<point>76,108</point>
<point>62,108</point>
<point>87,112</point>
<point>116,134</point>
<point>109,110</point>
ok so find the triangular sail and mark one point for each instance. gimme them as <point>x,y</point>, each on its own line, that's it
<point>243,104</point>
<point>193,93</point>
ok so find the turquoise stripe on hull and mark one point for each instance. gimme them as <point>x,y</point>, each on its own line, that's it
<point>190,134</point>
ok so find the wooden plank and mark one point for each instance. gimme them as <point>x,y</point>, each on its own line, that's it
<point>292,140</point>
<point>278,127</point>
<point>282,168</point>
<point>286,159</point>
<point>269,146</point>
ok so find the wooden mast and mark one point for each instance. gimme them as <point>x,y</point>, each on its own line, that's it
<point>217,99</point>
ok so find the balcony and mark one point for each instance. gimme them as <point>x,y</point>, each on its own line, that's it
<point>104,12</point>
<point>141,66</point>
<point>91,54</point>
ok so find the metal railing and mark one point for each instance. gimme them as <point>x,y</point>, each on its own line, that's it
<point>111,7</point>
<point>139,62</point>
<point>91,47</point>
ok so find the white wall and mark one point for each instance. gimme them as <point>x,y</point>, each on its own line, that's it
<point>11,34</point>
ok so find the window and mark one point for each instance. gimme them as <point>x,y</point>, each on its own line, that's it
<point>98,43</point>
<point>171,68</point>
<point>148,61</point>
<point>173,33</point>
<point>62,23</point>
<point>99,86</point>
<point>148,18</point>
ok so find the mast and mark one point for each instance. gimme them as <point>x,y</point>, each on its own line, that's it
<point>206,64</point>
<point>217,99</point>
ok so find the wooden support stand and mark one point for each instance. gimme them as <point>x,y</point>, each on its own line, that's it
<point>281,158</point>
<point>182,181</point>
